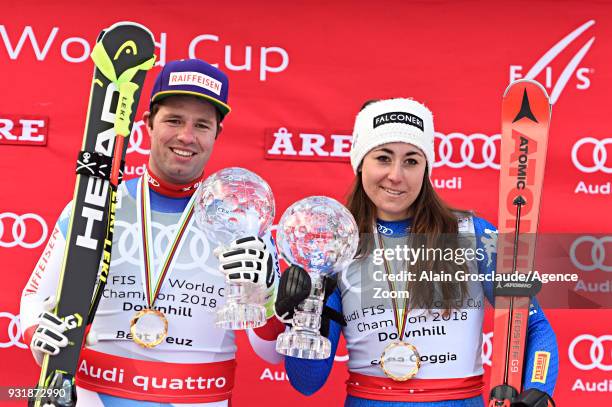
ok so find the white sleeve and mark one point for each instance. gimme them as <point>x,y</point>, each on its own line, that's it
<point>44,279</point>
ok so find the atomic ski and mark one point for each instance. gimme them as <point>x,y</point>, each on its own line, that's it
<point>526,114</point>
<point>122,55</point>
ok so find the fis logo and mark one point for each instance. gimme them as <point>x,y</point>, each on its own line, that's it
<point>571,70</point>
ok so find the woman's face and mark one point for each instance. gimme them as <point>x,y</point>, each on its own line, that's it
<point>392,177</point>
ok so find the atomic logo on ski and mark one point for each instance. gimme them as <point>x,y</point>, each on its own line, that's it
<point>522,161</point>
<point>525,110</point>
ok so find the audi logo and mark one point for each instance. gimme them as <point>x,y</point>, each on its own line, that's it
<point>385,230</point>
<point>598,253</point>
<point>136,139</point>
<point>14,332</point>
<point>467,146</point>
<point>597,353</point>
<point>599,155</point>
<point>15,230</point>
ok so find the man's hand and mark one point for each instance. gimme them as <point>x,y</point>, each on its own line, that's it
<point>248,261</point>
<point>49,337</point>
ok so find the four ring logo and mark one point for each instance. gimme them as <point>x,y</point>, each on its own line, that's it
<point>137,139</point>
<point>599,155</point>
<point>597,352</point>
<point>457,150</point>
<point>598,253</point>
<point>14,332</point>
<point>127,246</point>
<point>385,230</point>
<point>21,230</point>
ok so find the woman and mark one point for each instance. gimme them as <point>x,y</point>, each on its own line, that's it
<point>423,347</point>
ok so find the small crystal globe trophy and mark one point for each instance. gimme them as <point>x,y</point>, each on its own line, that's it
<point>319,235</point>
<point>235,203</point>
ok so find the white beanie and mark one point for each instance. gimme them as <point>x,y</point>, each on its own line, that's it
<point>389,121</point>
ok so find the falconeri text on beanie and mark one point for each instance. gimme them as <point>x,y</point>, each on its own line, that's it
<point>389,121</point>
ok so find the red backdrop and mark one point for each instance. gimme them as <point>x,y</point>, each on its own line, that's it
<point>299,74</point>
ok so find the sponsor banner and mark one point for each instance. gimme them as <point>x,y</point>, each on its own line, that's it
<point>596,253</point>
<point>590,154</point>
<point>25,130</point>
<point>546,69</point>
<point>588,352</point>
<point>10,332</point>
<point>27,230</point>
<point>592,157</point>
<point>476,151</point>
<point>261,60</point>
<point>295,92</point>
<point>453,150</point>
<point>139,140</point>
<point>540,367</point>
<point>195,79</point>
<point>307,145</point>
<point>586,358</point>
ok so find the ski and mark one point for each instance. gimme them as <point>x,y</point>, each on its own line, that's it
<point>122,55</point>
<point>526,112</point>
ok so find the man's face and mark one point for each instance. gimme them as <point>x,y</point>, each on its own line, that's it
<point>182,133</point>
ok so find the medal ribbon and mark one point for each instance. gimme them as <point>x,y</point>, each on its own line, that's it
<point>400,320</point>
<point>143,202</point>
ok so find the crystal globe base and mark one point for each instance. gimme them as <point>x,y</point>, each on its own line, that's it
<point>304,345</point>
<point>241,316</point>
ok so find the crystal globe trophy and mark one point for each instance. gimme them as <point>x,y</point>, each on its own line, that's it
<point>320,235</point>
<point>235,203</point>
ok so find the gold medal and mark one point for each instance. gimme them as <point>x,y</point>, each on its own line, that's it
<point>400,361</point>
<point>149,328</point>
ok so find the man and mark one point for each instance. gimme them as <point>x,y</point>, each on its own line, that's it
<point>154,338</point>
